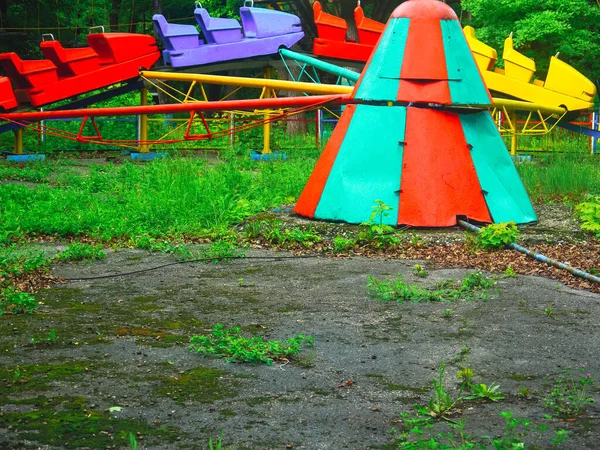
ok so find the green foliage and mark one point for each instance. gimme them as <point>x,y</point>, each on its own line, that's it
<point>541,29</point>
<point>342,244</point>
<point>497,235</point>
<point>571,393</point>
<point>16,261</point>
<point>418,434</point>
<point>484,392</point>
<point>81,252</point>
<point>273,232</point>
<point>15,302</point>
<point>230,344</point>
<point>473,285</point>
<point>589,213</point>
<point>222,251</point>
<point>465,374</point>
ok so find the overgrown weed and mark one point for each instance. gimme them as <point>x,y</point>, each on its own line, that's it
<point>473,286</point>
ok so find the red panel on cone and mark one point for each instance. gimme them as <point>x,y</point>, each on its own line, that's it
<point>424,57</point>
<point>439,181</point>
<point>425,9</point>
<point>309,199</point>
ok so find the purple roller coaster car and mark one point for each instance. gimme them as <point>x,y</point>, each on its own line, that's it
<point>263,32</point>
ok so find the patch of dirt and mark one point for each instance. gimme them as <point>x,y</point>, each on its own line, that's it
<point>120,364</point>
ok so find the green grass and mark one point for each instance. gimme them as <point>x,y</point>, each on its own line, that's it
<point>561,178</point>
<point>171,197</point>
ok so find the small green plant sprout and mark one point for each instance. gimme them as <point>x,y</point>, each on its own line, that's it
<point>448,313</point>
<point>524,393</point>
<point>243,283</point>
<point>588,212</point>
<point>132,441</point>
<point>442,404</point>
<point>17,375</point>
<point>44,340</point>
<point>483,392</point>
<point>342,244</point>
<point>382,235</point>
<point>509,272</point>
<point>231,345</point>
<point>571,393</point>
<point>216,445</point>
<point>549,311</point>
<point>15,302</point>
<point>419,271</point>
<point>497,235</point>
<point>415,240</point>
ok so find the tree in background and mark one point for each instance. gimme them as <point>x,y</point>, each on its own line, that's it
<point>541,29</point>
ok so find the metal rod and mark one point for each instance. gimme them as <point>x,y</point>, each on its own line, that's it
<point>309,88</point>
<point>228,105</point>
<point>552,262</point>
<point>324,66</point>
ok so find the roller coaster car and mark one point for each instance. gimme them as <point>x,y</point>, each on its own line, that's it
<point>332,35</point>
<point>7,95</point>
<point>564,86</point>
<point>262,32</point>
<point>110,58</point>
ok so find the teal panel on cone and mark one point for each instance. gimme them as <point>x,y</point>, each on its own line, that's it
<point>382,75</point>
<point>504,192</point>
<point>368,166</point>
<point>468,88</point>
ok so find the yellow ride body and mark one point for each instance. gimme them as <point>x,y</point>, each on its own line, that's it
<point>564,86</point>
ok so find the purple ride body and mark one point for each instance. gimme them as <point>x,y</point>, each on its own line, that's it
<point>263,32</point>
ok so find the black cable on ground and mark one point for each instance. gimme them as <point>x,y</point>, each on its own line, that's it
<point>224,258</point>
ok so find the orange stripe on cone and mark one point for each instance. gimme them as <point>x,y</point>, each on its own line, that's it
<point>439,181</point>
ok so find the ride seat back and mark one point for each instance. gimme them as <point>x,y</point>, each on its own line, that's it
<point>261,23</point>
<point>114,48</point>
<point>31,74</point>
<point>566,80</point>
<point>70,62</point>
<point>329,26</point>
<point>217,30</point>
<point>485,56</point>
<point>175,36</point>
<point>517,65</point>
<point>369,30</point>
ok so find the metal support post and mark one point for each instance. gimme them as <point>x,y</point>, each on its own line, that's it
<point>268,93</point>
<point>18,141</point>
<point>143,123</point>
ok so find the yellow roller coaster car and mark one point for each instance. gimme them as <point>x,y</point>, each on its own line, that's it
<point>564,86</point>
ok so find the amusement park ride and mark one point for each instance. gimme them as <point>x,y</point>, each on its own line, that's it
<point>414,108</point>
